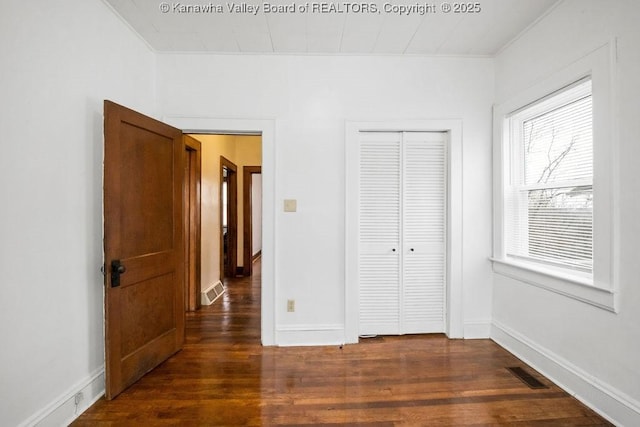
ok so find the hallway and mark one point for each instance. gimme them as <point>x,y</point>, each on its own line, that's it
<point>224,377</point>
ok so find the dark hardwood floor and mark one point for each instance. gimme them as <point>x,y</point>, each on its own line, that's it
<point>224,377</point>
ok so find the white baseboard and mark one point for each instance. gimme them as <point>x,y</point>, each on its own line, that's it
<point>610,403</point>
<point>477,329</point>
<point>309,335</point>
<point>62,411</point>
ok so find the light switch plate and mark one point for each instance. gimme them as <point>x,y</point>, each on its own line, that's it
<point>290,205</point>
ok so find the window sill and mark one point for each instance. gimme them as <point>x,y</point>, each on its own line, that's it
<point>572,286</point>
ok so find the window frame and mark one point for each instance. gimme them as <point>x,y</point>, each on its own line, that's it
<point>601,289</point>
<point>518,188</point>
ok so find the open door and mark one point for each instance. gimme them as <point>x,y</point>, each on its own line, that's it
<point>247,216</point>
<point>228,218</point>
<point>192,229</point>
<point>143,245</point>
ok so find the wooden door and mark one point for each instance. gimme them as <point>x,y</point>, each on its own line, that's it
<point>247,217</point>
<point>192,234</point>
<point>143,240</point>
<point>228,232</point>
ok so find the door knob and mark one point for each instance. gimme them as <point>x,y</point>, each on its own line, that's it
<point>411,249</point>
<point>116,270</point>
<point>394,249</point>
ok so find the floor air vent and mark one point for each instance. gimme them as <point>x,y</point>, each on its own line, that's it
<point>526,377</point>
<point>212,293</point>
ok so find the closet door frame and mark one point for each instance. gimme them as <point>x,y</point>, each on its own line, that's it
<point>453,129</point>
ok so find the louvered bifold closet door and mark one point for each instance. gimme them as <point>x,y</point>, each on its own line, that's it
<point>379,230</point>
<point>423,230</point>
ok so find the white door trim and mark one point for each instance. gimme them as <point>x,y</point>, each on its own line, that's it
<point>453,127</point>
<point>267,129</point>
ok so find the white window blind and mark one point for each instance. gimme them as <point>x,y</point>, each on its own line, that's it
<point>549,199</point>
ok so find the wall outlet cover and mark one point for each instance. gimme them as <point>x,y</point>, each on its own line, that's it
<point>290,205</point>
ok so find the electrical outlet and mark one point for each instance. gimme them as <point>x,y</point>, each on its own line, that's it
<point>291,305</point>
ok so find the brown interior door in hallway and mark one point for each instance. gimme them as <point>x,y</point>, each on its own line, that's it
<point>247,217</point>
<point>228,231</point>
<point>143,244</point>
<point>192,228</point>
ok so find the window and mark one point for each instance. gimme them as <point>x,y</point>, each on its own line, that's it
<point>549,196</point>
<point>556,191</point>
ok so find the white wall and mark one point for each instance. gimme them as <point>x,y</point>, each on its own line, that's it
<point>593,352</point>
<point>59,61</point>
<point>310,97</point>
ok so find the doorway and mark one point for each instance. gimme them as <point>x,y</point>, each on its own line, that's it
<point>202,129</point>
<point>224,240</point>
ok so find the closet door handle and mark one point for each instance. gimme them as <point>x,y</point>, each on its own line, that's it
<point>393,250</point>
<point>411,249</point>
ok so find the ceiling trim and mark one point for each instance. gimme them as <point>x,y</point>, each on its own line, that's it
<point>528,28</point>
<point>337,54</point>
<point>129,26</point>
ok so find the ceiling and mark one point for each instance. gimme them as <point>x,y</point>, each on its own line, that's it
<point>333,27</point>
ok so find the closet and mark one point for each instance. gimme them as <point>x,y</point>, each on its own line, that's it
<point>401,232</point>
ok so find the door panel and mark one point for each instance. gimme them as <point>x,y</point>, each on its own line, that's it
<point>147,191</point>
<point>424,201</point>
<point>143,229</point>
<point>379,231</point>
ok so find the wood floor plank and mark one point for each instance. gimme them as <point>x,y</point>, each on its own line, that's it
<point>224,377</point>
